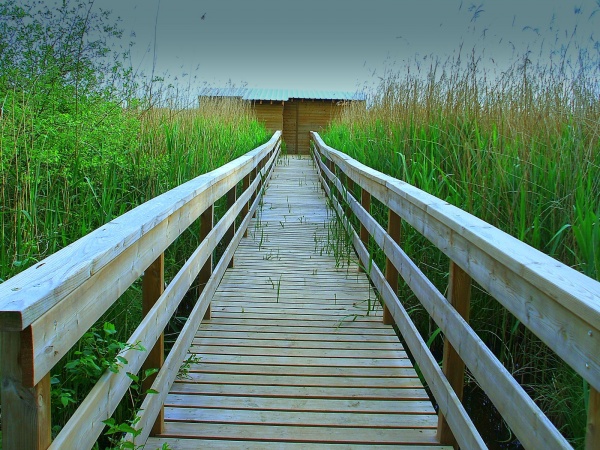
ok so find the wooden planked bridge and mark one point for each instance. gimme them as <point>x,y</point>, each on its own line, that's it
<point>292,339</point>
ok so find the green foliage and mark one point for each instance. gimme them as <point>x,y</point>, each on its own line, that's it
<point>184,370</point>
<point>96,352</point>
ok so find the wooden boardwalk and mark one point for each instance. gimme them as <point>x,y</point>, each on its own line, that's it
<point>294,356</point>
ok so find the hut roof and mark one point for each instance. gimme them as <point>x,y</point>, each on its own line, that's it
<point>280,94</point>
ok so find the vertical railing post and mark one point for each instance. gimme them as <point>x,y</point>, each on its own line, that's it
<point>206,225</point>
<point>253,175</point>
<point>391,272</point>
<point>331,168</point>
<point>365,201</point>
<point>231,197</point>
<point>350,191</point>
<point>459,296</point>
<point>246,207</point>
<point>153,285</point>
<point>592,436</point>
<point>25,410</point>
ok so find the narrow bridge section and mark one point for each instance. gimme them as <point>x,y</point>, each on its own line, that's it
<point>295,354</point>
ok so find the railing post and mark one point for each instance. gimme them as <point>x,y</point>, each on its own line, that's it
<point>350,191</point>
<point>153,285</point>
<point>231,197</point>
<point>253,175</point>
<point>391,273</point>
<point>331,168</point>
<point>459,296</point>
<point>592,436</point>
<point>246,207</point>
<point>365,202</point>
<point>25,410</point>
<point>206,225</point>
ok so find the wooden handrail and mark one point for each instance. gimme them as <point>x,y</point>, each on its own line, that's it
<point>558,304</point>
<point>47,308</point>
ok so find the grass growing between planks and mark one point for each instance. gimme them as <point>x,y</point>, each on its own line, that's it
<point>521,153</point>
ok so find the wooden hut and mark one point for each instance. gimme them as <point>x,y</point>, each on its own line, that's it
<point>295,112</point>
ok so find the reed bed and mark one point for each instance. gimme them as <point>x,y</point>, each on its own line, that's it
<point>521,152</point>
<point>68,179</point>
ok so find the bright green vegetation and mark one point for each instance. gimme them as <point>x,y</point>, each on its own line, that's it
<point>522,154</point>
<point>82,141</point>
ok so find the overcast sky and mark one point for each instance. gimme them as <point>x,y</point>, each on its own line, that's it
<point>338,44</point>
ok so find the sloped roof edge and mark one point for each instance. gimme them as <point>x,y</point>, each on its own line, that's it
<point>280,94</point>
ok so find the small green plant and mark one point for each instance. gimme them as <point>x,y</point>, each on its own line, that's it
<point>184,370</point>
<point>96,352</point>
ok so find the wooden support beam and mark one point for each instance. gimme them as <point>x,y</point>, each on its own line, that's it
<point>350,189</point>
<point>365,201</point>
<point>245,186</point>
<point>592,436</point>
<point>391,272</point>
<point>231,197</point>
<point>25,411</point>
<point>153,285</point>
<point>331,168</point>
<point>206,225</point>
<point>459,296</point>
<point>253,175</point>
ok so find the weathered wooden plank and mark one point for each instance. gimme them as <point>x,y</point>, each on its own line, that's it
<point>306,361</point>
<point>297,352</point>
<point>195,444</point>
<point>367,325</point>
<point>292,343</point>
<point>332,311</point>
<point>406,406</point>
<point>304,418</point>
<point>214,337</point>
<point>301,380</point>
<point>342,318</point>
<point>318,371</point>
<point>283,433</point>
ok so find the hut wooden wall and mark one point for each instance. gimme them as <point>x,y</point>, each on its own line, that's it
<point>290,126</point>
<point>300,117</point>
<point>271,114</point>
<point>297,118</point>
<point>313,116</point>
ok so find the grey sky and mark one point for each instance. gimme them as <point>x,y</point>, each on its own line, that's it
<point>338,44</point>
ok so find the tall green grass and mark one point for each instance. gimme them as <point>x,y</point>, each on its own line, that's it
<point>56,187</point>
<point>522,153</point>
<point>54,191</point>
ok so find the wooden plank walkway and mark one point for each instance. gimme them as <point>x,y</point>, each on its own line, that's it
<point>292,356</point>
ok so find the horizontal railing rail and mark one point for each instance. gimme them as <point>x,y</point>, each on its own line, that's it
<point>46,309</point>
<point>558,304</point>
